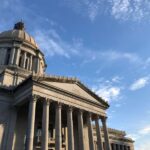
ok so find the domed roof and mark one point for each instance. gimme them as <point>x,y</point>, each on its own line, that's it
<point>18,33</point>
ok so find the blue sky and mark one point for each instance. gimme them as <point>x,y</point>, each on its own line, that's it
<point>104,43</point>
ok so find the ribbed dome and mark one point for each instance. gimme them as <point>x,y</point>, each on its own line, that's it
<point>18,34</point>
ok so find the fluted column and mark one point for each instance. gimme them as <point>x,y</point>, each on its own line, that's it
<point>90,132</point>
<point>106,136</point>
<point>80,130</point>
<point>45,124</point>
<point>70,129</point>
<point>98,133</point>
<point>58,134</point>
<point>12,56</point>
<point>31,123</point>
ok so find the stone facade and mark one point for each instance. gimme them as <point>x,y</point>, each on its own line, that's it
<point>41,112</point>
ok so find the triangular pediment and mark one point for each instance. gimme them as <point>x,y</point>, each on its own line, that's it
<point>76,88</point>
<point>73,88</point>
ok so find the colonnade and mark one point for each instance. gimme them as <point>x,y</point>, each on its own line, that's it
<point>23,59</point>
<point>58,126</point>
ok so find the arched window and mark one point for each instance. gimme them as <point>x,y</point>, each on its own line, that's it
<point>7,56</point>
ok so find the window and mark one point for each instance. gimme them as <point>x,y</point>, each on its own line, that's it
<point>7,56</point>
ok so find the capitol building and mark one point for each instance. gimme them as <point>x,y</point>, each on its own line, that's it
<point>44,112</point>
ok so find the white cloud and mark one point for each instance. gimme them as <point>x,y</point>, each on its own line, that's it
<point>116,79</point>
<point>108,93</point>
<point>108,90</point>
<point>51,43</point>
<point>134,136</point>
<point>145,130</point>
<point>140,83</point>
<point>141,137</point>
<point>134,10</point>
<point>140,133</point>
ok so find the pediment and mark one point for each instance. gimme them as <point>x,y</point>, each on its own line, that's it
<point>78,90</point>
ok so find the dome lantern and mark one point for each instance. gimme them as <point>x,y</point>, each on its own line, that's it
<point>19,26</point>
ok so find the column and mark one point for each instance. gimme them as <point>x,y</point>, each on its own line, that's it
<point>37,65</point>
<point>80,130</point>
<point>70,129</point>
<point>11,134</point>
<point>45,124</point>
<point>98,133</point>
<point>123,147</point>
<point>31,123</point>
<point>24,59</point>
<point>106,137</point>
<point>31,57</point>
<point>119,147</point>
<point>18,51</point>
<point>12,56</point>
<point>58,135</point>
<point>114,146</point>
<point>90,132</point>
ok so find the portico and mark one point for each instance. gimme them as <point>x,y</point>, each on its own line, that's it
<point>61,109</point>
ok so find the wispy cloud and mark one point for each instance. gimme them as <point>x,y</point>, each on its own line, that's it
<point>140,83</point>
<point>130,9</point>
<point>134,10</point>
<point>52,44</point>
<point>90,8</point>
<point>117,55</point>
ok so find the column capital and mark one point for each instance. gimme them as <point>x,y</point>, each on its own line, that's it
<point>103,119</point>
<point>97,117</point>
<point>46,101</point>
<point>80,111</point>
<point>58,105</point>
<point>89,114</point>
<point>34,97</point>
<point>69,108</point>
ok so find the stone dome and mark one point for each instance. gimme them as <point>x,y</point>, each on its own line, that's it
<point>19,50</point>
<point>18,33</point>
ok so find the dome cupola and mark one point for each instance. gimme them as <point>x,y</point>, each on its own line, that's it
<point>19,50</point>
